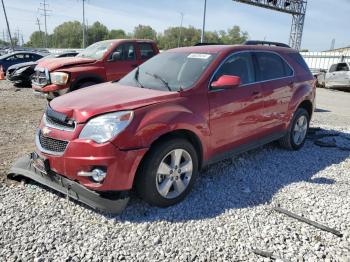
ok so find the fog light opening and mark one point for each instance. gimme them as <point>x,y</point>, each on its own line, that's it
<point>98,175</point>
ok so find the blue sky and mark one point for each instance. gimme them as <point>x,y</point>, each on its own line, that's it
<point>325,19</point>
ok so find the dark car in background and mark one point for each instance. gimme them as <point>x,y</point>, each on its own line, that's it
<point>18,57</point>
<point>20,74</point>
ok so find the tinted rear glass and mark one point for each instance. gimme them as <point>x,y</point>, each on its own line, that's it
<point>272,66</point>
<point>300,61</point>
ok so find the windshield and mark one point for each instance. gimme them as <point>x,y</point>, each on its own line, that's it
<point>96,51</point>
<point>169,71</point>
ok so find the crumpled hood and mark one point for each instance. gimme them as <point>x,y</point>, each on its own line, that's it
<point>107,97</point>
<point>54,63</point>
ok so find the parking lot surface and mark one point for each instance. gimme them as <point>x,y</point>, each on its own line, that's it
<point>228,213</point>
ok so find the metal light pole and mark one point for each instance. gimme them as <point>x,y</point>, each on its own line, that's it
<point>179,40</point>
<point>84,41</point>
<point>7,23</point>
<point>204,15</point>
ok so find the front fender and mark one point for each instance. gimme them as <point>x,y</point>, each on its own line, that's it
<point>154,121</point>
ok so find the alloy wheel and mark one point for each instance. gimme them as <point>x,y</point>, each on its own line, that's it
<point>300,130</point>
<point>174,173</point>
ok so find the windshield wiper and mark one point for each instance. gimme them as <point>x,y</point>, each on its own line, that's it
<point>136,76</point>
<point>166,84</point>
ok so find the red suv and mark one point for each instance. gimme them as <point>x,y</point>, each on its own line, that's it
<point>103,61</point>
<point>164,121</point>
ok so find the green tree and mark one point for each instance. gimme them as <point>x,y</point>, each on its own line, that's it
<point>67,35</point>
<point>3,43</point>
<point>144,32</point>
<point>97,32</point>
<point>233,36</point>
<point>36,39</point>
<point>117,34</point>
<point>170,38</point>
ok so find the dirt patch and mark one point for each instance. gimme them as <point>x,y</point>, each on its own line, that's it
<point>20,113</point>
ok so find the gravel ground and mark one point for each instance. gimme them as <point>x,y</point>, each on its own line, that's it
<point>228,213</point>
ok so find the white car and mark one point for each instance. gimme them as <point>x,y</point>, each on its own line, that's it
<point>338,76</point>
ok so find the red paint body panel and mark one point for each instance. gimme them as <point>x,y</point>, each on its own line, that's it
<point>221,120</point>
<point>102,70</point>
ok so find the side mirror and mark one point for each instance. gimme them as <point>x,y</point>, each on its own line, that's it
<point>116,56</point>
<point>226,81</point>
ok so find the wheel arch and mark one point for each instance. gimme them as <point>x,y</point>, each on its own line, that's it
<point>308,106</point>
<point>179,133</point>
<point>86,78</point>
<point>185,134</point>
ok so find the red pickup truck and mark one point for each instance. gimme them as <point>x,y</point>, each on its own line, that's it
<point>103,61</point>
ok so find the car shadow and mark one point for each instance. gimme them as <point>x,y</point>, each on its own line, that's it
<point>246,180</point>
<point>319,110</point>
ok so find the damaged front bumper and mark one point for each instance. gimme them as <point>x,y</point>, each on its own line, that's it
<point>28,168</point>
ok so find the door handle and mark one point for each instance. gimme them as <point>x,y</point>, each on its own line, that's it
<point>255,93</point>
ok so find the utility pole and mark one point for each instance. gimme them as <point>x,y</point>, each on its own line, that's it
<point>7,23</point>
<point>45,15</point>
<point>179,40</point>
<point>333,44</point>
<point>84,27</point>
<point>41,36</point>
<point>204,16</point>
<point>17,37</point>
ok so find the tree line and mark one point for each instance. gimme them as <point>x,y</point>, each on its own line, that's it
<point>69,35</point>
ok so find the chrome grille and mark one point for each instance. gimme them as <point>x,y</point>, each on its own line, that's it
<point>54,123</point>
<point>50,145</point>
<point>40,77</point>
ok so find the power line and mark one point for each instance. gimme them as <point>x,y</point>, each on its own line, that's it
<point>7,23</point>
<point>45,14</point>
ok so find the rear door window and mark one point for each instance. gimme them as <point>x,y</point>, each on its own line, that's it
<point>126,50</point>
<point>333,68</point>
<point>146,50</point>
<point>271,66</point>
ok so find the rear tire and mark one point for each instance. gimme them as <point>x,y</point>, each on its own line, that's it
<point>297,132</point>
<point>167,173</point>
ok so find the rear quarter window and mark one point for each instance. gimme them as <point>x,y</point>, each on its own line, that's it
<point>297,58</point>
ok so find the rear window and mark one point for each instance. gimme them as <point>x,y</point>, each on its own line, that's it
<point>146,50</point>
<point>272,66</point>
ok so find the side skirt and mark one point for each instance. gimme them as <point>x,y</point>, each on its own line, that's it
<point>244,148</point>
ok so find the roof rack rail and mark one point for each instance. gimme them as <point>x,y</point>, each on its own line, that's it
<point>201,44</point>
<point>255,42</point>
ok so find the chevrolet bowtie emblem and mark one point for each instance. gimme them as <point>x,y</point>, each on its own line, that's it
<point>45,131</point>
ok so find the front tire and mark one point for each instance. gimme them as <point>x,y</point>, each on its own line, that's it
<point>167,173</point>
<point>296,135</point>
